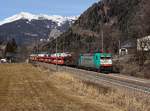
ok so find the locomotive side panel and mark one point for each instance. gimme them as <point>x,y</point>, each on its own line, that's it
<point>87,61</point>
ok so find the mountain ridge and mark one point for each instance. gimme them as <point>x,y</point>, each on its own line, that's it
<point>26,28</point>
<point>28,16</point>
<point>118,20</point>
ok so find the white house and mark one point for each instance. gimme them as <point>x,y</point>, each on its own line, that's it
<point>123,51</point>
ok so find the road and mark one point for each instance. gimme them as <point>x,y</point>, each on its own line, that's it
<point>26,88</point>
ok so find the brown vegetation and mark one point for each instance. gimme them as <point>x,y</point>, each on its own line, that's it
<point>25,88</point>
<point>104,96</point>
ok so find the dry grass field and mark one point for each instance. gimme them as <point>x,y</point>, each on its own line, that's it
<point>26,88</point>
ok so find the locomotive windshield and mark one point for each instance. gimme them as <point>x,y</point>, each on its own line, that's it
<point>105,57</point>
<point>106,61</point>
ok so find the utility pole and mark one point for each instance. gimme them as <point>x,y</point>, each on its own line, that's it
<point>119,52</point>
<point>119,47</point>
<point>37,43</point>
<point>56,55</point>
<point>102,36</point>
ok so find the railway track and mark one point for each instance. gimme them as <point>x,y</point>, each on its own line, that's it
<point>111,80</point>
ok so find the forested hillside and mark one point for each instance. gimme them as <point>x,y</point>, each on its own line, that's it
<point>122,20</point>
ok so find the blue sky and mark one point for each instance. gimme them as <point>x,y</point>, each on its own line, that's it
<point>50,7</point>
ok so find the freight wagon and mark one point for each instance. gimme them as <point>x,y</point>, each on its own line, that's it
<point>96,61</point>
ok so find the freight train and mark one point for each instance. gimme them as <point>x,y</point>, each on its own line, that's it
<point>94,61</point>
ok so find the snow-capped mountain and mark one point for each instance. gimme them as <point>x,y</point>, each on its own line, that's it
<point>24,15</point>
<point>26,28</point>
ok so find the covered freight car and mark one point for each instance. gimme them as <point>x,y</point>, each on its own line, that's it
<point>98,61</point>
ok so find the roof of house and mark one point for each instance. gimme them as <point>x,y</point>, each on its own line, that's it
<point>144,38</point>
<point>129,43</point>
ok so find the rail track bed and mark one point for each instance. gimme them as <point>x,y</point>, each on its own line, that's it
<point>111,80</point>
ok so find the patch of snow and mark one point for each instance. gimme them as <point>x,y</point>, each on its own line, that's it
<point>30,34</point>
<point>27,22</point>
<point>48,26</point>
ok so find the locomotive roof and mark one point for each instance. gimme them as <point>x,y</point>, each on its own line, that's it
<point>97,53</point>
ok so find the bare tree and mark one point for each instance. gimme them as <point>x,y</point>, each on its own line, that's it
<point>143,47</point>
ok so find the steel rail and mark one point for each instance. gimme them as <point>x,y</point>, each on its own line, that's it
<point>100,78</point>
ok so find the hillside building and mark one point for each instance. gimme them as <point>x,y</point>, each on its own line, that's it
<point>143,44</point>
<point>127,47</point>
